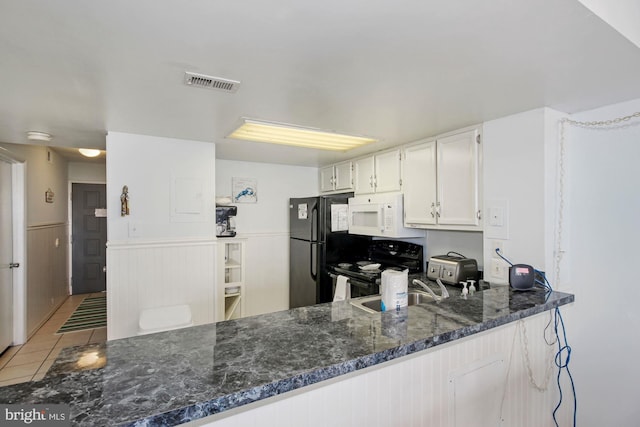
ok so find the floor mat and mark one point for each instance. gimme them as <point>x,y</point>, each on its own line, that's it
<point>90,314</point>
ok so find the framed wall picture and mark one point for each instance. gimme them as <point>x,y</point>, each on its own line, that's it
<point>244,190</point>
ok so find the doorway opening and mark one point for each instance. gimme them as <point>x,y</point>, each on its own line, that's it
<point>88,238</point>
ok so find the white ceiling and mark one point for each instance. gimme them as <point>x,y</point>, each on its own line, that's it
<point>397,71</point>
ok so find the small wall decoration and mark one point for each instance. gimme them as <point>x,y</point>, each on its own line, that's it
<point>48,196</point>
<point>245,190</point>
<point>124,201</point>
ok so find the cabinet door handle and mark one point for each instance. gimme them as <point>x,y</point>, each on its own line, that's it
<point>14,265</point>
<point>433,208</point>
<point>438,209</point>
<point>479,214</point>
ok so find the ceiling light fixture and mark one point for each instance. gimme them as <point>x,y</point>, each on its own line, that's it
<point>38,136</point>
<point>279,133</point>
<point>89,152</point>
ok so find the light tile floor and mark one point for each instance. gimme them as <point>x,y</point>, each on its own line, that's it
<point>32,360</point>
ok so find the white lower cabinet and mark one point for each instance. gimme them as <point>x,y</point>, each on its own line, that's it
<point>231,292</point>
<point>441,182</point>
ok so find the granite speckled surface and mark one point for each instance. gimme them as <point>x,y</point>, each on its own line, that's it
<point>178,376</point>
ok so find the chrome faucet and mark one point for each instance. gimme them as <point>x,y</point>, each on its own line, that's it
<point>443,291</point>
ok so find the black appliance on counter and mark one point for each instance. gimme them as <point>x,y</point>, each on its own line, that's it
<point>225,226</point>
<point>390,254</point>
<point>313,245</point>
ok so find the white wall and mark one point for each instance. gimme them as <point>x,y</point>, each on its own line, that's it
<point>623,15</point>
<point>87,172</point>
<point>164,252</point>
<point>165,176</point>
<point>468,243</point>
<point>519,172</point>
<point>602,244</point>
<point>276,184</point>
<point>265,225</point>
<point>42,175</point>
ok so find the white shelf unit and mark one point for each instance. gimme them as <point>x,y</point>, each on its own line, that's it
<point>231,285</point>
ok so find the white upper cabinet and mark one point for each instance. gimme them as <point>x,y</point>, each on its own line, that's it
<point>419,183</point>
<point>326,179</point>
<point>364,175</point>
<point>457,169</point>
<point>343,177</point>
<point>338,177</point>
<point>441,182</point>
<point>378,173</point>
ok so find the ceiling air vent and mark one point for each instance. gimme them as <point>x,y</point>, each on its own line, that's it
<point>210,82</point>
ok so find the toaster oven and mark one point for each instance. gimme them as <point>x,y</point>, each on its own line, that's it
<point>452,268</point>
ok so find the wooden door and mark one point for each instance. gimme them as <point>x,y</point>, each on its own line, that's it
<point>89,238</point>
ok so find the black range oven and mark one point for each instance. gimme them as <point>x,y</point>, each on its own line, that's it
<point>364,274</point>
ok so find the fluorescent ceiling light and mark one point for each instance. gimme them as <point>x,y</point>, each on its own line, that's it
<point>278,133</point>
<point>89,152</point>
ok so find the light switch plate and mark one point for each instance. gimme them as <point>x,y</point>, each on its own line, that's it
<point>496,216</point>
<point>497,225</point>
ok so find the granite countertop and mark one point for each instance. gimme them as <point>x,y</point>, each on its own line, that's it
<point>178,376</point>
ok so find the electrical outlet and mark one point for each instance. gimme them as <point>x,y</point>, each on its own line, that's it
<point>499,270</point>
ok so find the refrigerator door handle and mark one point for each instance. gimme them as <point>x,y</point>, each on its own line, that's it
<point>312,262</point>
<point>314,223</point>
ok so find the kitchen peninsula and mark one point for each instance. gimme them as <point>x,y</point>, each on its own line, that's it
<point>184,375</point>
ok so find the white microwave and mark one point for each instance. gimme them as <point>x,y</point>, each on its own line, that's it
<point>379,215</point>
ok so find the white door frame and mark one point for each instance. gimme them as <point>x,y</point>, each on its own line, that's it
<point>18,194</point>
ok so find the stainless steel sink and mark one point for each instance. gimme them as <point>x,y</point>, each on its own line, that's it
<point>372,304</point>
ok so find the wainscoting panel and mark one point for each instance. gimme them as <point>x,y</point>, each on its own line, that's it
<point>157,274</point>
<point>416,391</point>
<point>47,261</point>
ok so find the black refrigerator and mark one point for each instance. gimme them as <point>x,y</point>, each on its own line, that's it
<point>316,241</point>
